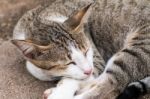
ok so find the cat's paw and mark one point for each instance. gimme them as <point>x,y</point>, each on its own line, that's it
<point>47,93</point>
<point>79,96</point>
<point>54,93</point>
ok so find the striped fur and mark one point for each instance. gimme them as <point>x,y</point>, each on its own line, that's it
<point>121,33</point>
<point>136,89</point>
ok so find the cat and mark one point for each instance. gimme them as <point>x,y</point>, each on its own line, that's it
<point>56,47</point>
<point>119,30</point>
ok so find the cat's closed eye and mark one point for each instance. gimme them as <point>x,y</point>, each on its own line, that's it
<point>71,63</point>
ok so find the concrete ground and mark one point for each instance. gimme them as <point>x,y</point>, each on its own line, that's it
<point>15,81</point>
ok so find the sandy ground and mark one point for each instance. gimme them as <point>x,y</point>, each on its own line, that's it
<point>15,81</point>
<point>11,11</point>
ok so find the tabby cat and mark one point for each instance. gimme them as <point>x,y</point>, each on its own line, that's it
<point>54,40</point>
<point>56,46</point>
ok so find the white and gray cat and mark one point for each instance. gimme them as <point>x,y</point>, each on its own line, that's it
<point>54,42</point>
<point>56,47</point>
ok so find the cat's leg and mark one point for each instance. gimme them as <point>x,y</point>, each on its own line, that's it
<point>66,85</point>
<point>47,93</point>
<point>65,89</point>
<point>136,89</point>
<point>129,64</point>
<point>102,88</point>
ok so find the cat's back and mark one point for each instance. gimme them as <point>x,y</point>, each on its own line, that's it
<point>125,12</point>
<point>112,20</point>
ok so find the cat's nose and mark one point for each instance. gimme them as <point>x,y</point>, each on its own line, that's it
<point>88,71</point>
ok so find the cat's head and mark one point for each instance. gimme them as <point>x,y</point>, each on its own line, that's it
<point>68,52</point>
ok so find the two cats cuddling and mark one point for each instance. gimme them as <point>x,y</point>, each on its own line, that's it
<point>96,49</point>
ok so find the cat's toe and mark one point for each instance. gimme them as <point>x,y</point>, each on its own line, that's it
<point>47,93</point>
<point>79,96</point>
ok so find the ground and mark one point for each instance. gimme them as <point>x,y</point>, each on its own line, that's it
<point>11,11</point>
<point>15,81</point>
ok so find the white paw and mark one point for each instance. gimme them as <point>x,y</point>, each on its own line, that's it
<point>56,94</point>
<point>47,93</point>
<point>78,97</point>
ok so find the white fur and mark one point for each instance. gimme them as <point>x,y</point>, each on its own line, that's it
<point>19,36</point>
<point>37,72</point>
<point>57,18</point>
<point>79,97</point>
<point>83,63</point>
<point>110,62</point>
<point>75,72</point>
<point>65,90</point>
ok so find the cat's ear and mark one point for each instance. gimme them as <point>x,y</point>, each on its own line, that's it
<point>29,49</point>
<point>78,18</point>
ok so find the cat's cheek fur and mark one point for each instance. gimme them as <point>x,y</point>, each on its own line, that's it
<point>72,71</point>
<point>85,63</point>
<point>75,72</point>
<point>37,72</point>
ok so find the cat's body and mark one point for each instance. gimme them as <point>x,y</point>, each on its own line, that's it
<point>120,30</point>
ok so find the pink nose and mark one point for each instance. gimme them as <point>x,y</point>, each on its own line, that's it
<point>88,72</point>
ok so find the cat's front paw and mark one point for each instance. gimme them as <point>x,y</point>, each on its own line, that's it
<point>79,96</point>
<point>47,93</point>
